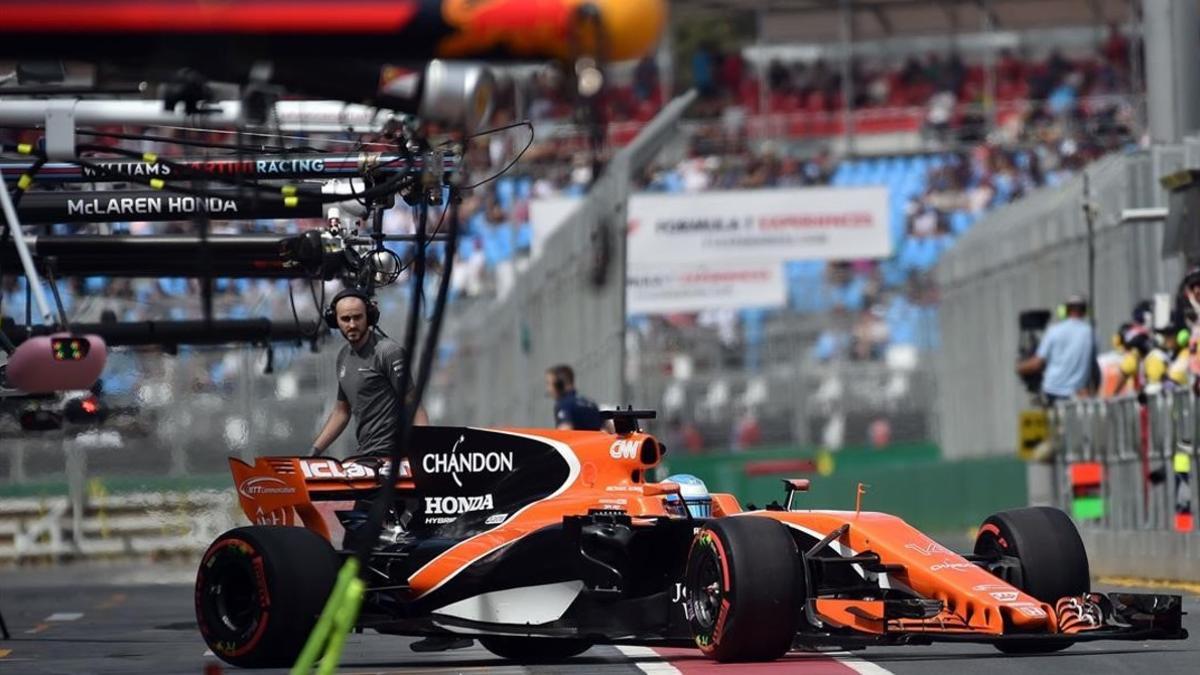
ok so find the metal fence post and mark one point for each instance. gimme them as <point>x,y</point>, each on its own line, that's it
<point>76,464</point>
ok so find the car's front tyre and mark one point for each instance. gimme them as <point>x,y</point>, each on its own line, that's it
<point>1053,561</point>
<point>743,589</point>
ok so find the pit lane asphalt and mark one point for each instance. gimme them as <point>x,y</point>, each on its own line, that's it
<point>137,618</point>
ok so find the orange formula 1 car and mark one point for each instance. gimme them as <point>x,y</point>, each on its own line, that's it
<point>542,543</point>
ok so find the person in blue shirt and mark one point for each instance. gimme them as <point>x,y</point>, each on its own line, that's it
<point>1066,355</point>
<point>571,411</point>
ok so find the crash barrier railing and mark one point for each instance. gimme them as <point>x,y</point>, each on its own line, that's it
<point>1128,463</point>
<point>114,526</point>
<point>803,403</point>
<point>177,416</point>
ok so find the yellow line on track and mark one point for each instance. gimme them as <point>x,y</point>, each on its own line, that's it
<point>1183,586</point>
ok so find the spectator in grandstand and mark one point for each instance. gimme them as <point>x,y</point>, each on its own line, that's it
<point>571,411</point>
<point>1066,355</point>
<point>747,431</point>
<point>684,434</point>
<point>703,69</point>
<point>369,386</point>
<point>870,335</point>
<point>645,78</point>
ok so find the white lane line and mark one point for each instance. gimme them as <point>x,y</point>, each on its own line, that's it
<point>858,665</point>
<point>208,652</point>
<point>64,616</point>
<point>641,656</point>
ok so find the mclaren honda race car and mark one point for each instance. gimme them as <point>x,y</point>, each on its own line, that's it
<point>541,543</point>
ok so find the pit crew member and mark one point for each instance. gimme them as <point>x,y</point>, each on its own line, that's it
<point>369,368</point>
<point>571,411</point>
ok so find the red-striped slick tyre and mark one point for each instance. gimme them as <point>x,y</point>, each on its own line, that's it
<point>259,591</point>
<point>1054,562</point>
<point>742,589</point>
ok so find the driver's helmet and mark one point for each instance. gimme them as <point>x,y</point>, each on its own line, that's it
<point>695,496</point>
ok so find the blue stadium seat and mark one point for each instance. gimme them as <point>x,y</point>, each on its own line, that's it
<point>672,182</point>
<point>525,236</point>
<point>830,344</point>
<point>498,244</point>
<point>892,271</point>
<point>852,295</point>
<point>177,286</point>
<point>901,317</point>
<point>961,221</point>
<point>506,192</point>
<point>804,270</point>
<point>897,222</point>
<point>524,187</point>
<point>752,334</point>
<point>919,254</point>
<point>1004,186</point>
<point>806,297</point>
<point>476,223</point>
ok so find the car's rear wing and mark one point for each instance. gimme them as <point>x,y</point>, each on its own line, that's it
<point>282,490</point>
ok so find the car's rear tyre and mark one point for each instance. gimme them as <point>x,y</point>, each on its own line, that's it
<point>743,592</point>
<point>1053,561</point>
<point>534,650</point>
<point>259,591</point>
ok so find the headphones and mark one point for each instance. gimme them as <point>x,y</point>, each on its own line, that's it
<point>331,310</point>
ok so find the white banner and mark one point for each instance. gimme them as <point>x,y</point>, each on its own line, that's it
<point>659,289</point>
<point>774,224</point>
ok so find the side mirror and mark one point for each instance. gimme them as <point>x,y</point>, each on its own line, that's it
<point>794,485</point>
<point>58,362</point>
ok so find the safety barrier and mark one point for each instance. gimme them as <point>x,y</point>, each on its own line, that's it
<point>1129,463</point>
<point>1126,469</point>
<point>114,526</point>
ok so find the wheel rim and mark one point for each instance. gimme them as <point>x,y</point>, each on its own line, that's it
<point>704,590</point>
<point>232,595</point>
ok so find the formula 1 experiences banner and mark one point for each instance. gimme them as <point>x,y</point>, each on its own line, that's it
<point>659,289</point>
<point>790,224</point>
